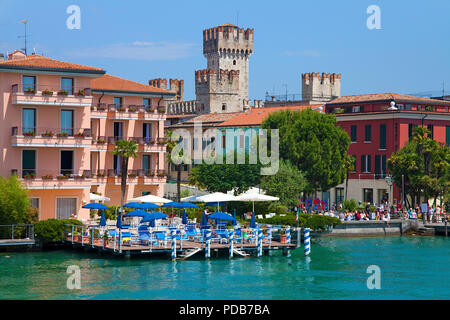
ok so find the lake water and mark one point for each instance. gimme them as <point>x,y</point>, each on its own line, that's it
<point>411,268</point>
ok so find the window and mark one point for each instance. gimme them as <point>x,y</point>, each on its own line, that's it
<point>411,127</point>
<point>67,121</point>
<point>65,207</point>
<point>234,62</point>
<point>66,162</point>
<point>29,83</point>
<point>146,131</point>
<point>118,126</point>
<point>366,163</point>
<point>67,85</point>
<point>368,133</point>
<point>224,107</point>
<point>116,161</point>
<point>382,136</point>
<point>408,107</point>
<point>28,162</point>
<point>339,195</point>
<point>447,135</point>
<point>368,195</point>
<point>118,102</point>
<point>146,163</point>
<point>431,128</point>
<point>353,133</point>
<point>147,103</point>
<point>34,203</point>
<point>28,121</point>
<point>356,109</point>
<point>380,166</point>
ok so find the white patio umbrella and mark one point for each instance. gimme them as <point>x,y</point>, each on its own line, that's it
<point>150,198</point>
<point>191,199</point>
<point>255,197</point>
<point>96,197</point>
<point>217,197</point>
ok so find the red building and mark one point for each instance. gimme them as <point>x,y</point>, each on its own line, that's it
<point>378,125</point>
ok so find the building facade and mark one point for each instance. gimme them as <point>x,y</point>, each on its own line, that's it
<point>59,122</point>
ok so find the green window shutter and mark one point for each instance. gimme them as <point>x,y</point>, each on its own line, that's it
<point>377,165</point>
<point>369,164</point>
<point>382,136</point>
<point>363,163</point>
<point>353,133</point>
<point>447,135</point>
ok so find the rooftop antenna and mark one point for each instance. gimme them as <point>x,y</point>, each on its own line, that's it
<point>25,35</point>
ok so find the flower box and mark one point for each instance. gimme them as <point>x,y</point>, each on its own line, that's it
<point>30,91</point>
<point>121,109</point>
<point>62,93</point>
<point>79,177</point>
<point>62,176</point>
<point>47,134</point>
<point>132,109</point>
<point>30,176</point>
<point>80,93</point>
<point>62,134</point>
<point>101,108</point>
<point>100,175</point>
<point>47,177</point>
<point>47,92</point>
<point>101,141</point>
<point>80,135</point>
<point>29,134</point>
<point>150,110</point>
<point>132,175</point>
<point>150,174</point>
<point>161,110</point>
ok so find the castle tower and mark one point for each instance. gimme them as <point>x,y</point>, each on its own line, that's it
<point>226,48</point>
<point>318,88</point>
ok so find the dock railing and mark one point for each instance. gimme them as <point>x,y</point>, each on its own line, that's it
<point>17,232</point>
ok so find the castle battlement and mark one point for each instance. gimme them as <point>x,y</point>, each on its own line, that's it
<point>331,77</point>
<point>208,75</point>
<point>228,38</point>
<point>175,85</point>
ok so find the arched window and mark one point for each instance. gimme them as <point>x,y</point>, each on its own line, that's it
<point>234,62</point>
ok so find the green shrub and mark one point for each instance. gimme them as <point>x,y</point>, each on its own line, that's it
<point>52,230</point>
<point>313,221</point>
<point>350,205</point>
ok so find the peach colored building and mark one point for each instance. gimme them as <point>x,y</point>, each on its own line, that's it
<point>59,121</point>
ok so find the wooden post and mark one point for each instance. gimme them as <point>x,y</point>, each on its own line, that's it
<point>446,232</point>
<point>82,236</point>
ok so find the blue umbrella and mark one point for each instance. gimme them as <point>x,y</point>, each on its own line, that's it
<point>223,216</point>
<point>103,220</point>
<point>95,205</point>
<point>184,220</point>
<point>171,205</point>
<point>149,205</point>
<point>136,213</point>
<point>119,221</point>
<point>252,221</point>
<point>214,204</point>
<point>153,216</point>
<point>234,221</point>
<point>187,205</point>
<point>204,221</point>
<point>134,205</point>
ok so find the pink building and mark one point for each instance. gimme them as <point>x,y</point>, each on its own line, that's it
<point>58,125</point>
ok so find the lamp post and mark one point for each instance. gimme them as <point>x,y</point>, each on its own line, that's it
<point>388,180</point>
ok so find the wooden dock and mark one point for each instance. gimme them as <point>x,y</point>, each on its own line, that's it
<point>185,248</point>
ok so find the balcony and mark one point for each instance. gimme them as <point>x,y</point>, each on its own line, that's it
<point>130,112</point>
<point>137,176</point>
<point>145,144</point>
<point>43,95</point>
<point>53,179</point>
<point>51,137</point>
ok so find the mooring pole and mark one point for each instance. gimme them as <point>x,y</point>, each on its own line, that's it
<point>174,245</point>
<point>307,242</point>
<point>208,244</point>
<point>82,236</point>
<point>72,234</point>
<point>260,243</point>
<point>231,243</point>
<point>446,232</point>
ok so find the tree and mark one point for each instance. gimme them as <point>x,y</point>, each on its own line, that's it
<point>225,177</point>
<point>286,184</point>
<point>312,142</point>
<point>124,149</point>
<point>425,166</point>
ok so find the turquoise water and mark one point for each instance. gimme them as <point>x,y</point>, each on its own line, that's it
<point>411,268</point>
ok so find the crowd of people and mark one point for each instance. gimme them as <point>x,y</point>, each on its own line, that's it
<point>384,211</point>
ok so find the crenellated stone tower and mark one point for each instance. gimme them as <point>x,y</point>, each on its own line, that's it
<point>223,86</point>
<point>318,88</point>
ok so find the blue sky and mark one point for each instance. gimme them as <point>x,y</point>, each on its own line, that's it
<point>141,40</point>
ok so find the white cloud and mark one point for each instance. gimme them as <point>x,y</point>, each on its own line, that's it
<point>139,50</point>
<point>306,53</point>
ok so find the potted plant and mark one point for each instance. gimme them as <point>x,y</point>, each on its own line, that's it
<point>101,141</point>
<point>80,135</point>
<point>79,176</point>
<point>161,110</point>
<point>132,175</point>
<point>62,93</point>
<point>150,174</point>
<point>62,134</point>
<point>47,177</point>
<point>106,237</point>
<point>283,236</point>
<point>151,141</point>
<point>29,134</point>
<point>47,134</point>
<point>61,177</point>
<point>132,109</point>
<point>121,109</point>
<point>47,92</point>
<point>30,90</point>
<point>150,110</point>
<point>100,174</point>
<point>80,93</point>
<point>101,108</point>
<point>30,175</point>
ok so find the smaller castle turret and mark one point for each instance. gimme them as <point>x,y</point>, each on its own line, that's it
<point>175,85</point>
<point>323,87</point>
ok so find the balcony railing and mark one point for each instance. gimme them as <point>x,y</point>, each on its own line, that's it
<point>135,173</point>
<point>46,132</point>
<point>138,140</point>
<point>50,90</point>
<point>62,174</point>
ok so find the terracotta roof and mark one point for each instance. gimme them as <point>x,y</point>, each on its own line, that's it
<point>255,116</point>
<point>113,83</point>
<point>208,118</point>
<point>385,97</point>
<point>36,61</point>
